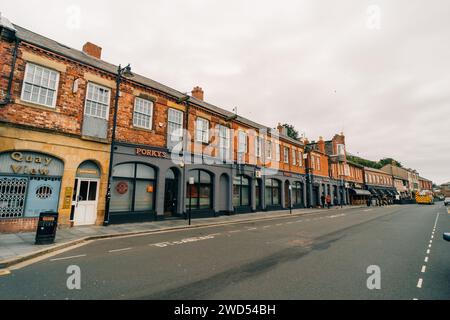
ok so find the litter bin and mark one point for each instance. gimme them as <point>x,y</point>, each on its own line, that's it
<point>46,229</point>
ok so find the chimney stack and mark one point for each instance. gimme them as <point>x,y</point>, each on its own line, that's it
<point>198,93</point>
<point>92,50</point>
<point>321,145</point>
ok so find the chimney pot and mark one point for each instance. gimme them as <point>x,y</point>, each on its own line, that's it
<point>92,50</point>
<point>198,93</point>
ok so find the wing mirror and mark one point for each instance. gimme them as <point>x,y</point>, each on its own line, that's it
<point>447,236</point>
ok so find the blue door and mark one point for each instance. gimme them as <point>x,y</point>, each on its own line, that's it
<point>43,195</point>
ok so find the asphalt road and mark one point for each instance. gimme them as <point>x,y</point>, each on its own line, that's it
<point>324,255</point>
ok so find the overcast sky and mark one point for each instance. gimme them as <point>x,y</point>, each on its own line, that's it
<point>377,70</point>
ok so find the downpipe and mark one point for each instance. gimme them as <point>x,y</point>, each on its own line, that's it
<point>7,100</point>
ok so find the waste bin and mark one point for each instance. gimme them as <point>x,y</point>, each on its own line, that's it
<point>46,229</point>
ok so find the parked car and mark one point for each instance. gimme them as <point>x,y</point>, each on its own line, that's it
<point>447,237</point>
<point>447,201</point>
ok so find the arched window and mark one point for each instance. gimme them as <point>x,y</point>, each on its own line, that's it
<point>273,192</point>
<point>241,191</point>
<point>297,193</point>
<point>199,194</point>
<point>133,188</point>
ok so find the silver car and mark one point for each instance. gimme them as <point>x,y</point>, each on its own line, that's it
<point>447,201</point>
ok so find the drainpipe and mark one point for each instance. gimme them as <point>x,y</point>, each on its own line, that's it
<point>185,144</point>
<point>7,100</point>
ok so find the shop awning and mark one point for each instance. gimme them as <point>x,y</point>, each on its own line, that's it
<point>360,192</point>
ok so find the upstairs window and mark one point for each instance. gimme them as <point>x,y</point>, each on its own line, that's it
<point>286,155</point>
<point>174,127</point>
<point>97,101</point>
<point>202,130</point>
<point>318,164</point>
<point>269,150</point>
<point>143,112</point>
<point>40,85</point>
<point>224,143</point>
<point>300,159</point>
<point>278,153</point>
<point>341,149</point>
<point>242,142</point>
<point>258,147</point>
<point>294,157</point>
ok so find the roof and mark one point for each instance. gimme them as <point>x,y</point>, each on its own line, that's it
<point>376,170</point>
<point>79,56</point>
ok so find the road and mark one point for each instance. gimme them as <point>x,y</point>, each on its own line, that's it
<point>324,255</point>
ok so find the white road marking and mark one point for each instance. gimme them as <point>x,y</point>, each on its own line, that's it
<point>426,259</point>
<point>435,223</point>
<point>184,241</point>
<point>431,241</point>
<point>252,229</point>
<point>420,283</point>
<point>429,246</point>
<point>415,299</point>
<point>424,269</point>
<point>119,250</point>
<point>428,251</point>
<point>234,231</point>
<point>67,258</point>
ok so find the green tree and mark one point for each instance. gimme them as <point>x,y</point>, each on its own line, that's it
<point>291,132</point>
<point>386,161</point>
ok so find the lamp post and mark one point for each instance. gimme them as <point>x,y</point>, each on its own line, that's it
<point>121,72</point>
<point>290,199</point>
<point>191,183</point>
<point>342,192</point>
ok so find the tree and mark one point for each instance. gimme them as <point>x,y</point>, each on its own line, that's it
<point>291,132</point>
<point>386,161</point>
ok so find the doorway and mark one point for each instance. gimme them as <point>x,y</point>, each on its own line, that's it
<point>171,194</point>
<point>85,194</point>
<point>85,202</point>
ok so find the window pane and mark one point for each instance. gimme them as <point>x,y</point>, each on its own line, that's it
<point>93,191</point>
<point>205,196</point>
<point>236,195</point>
<point>245,196</point>
<point>83,195</point>
<point>268,196</point>
<point>145,172</point>
<point>124,170</point>
<point>121,195</point>
<point>205,177</point>
<point>144,196</point>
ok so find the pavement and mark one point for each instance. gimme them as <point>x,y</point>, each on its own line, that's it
<point>323,255</point>
<point>16,248</point>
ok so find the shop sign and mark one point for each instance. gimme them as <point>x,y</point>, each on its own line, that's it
<point>68,198</point>
<point>152,153</point>
<point>30,163</point>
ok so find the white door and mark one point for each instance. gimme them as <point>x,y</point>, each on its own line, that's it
<point>86,201</point>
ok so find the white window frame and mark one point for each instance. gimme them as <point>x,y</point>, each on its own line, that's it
<point>294,157</point>
<point>286,155</point>
<point>224,142</point>
<point>341,149</point>
<point>313,162</point>
<point>277,152</point>
<point>142,113</point>
<point>202,130</point>
<point>40,87</point>
<point>269,150</point>
<point>258,147</point>
<point>300,159</point>
<point>318,164</point>
<point>179,125</point>
<point>98,102</point>
<point>242,142</point>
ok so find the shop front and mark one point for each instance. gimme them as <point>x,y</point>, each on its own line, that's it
<point>358,195</point>
<point>50,172</point>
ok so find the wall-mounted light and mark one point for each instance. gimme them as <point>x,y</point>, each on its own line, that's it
<point>76,84</point>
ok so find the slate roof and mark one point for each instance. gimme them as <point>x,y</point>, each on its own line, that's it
<point>79,56</point>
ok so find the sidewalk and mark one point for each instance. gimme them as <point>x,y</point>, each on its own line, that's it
<point>16,248</point>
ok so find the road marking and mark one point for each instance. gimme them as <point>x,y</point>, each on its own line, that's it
<point>234,231</point>
<point>279,224</point>
<point>119,250</point>
<point>415,299</point>
<point>435,223</point>
<point>428,251</point>
<point>424,269</point>
<point>420,283</point>
<point>252,229</point>
<point>184,241</point>
<point>67,258</point>
<point>4,272</point>
<point>426,259</point>
<point>429,246</point>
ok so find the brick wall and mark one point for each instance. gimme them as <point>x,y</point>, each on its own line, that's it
<point>18,225</point>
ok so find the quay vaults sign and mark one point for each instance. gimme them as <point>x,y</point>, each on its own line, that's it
<point>30,163</point>
<point>152,153</point>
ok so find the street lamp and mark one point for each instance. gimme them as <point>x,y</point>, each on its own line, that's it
<point>191,183</point>
<point>121,72</point>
